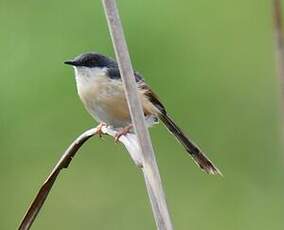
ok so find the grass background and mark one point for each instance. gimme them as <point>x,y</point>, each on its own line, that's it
<point>213,65</point>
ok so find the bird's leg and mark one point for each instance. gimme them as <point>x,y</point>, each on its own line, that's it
<point>121,132</point>
<point>99,129</point>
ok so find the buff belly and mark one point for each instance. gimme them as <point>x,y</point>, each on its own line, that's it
<point>105,100</point>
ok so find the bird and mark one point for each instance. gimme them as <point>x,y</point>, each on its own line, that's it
<point>100,88</point>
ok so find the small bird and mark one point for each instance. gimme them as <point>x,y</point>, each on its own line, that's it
<point>100,88</point>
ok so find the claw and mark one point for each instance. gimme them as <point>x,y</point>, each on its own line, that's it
<point>122,132</point>
<point>99,129</point>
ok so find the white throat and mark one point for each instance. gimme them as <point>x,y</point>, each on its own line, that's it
<point>85,76</point>
<point>89,73</point>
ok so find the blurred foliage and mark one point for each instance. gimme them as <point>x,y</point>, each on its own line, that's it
<point>213,65</point>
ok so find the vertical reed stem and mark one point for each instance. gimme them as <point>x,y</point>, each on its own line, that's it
<point>150,168</point>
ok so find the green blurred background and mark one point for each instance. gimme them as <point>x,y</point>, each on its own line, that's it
<point>213,65</point>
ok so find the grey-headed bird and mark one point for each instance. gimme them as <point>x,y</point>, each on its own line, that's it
<point>100,88</point>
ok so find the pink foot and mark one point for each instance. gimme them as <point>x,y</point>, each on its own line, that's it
<point>122,132</point>
<point>99,129</point>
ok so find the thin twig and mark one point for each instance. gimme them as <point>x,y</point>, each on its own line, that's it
<point>150,168</point>
<point>129,141</point>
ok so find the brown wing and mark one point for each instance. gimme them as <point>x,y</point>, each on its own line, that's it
<point>150,101</point>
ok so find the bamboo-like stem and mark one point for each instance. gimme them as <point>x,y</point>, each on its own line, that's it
<point>279,55</point>
<point>129,141</point>
<point>279,44</point>
<point>150,168</point>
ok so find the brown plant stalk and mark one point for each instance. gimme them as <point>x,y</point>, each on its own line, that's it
<point>129,142</point>
<point>150,168</point>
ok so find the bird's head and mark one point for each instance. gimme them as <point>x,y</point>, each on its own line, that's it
<point>91,63</point>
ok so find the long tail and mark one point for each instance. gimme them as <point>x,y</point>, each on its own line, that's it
<point>199,158</point>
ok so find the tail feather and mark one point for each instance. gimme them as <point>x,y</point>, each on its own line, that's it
<point>199,158</point>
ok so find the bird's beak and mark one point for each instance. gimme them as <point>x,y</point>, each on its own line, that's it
<point>70,62</point>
